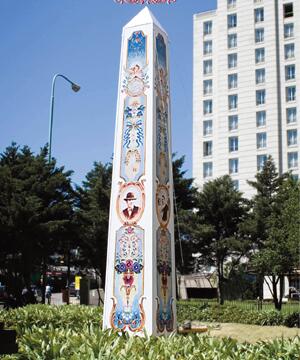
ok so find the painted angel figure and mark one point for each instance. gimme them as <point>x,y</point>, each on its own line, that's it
<point>135,80</point>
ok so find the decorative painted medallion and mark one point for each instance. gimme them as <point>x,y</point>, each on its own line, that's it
<point>127,311</point>
<point>163,205</point>
<point>162,111</point>
<point>135,78</point>
<point>131,202</point>
<point>165,317</point>
<point>135,81</point>
<point>133,139</point>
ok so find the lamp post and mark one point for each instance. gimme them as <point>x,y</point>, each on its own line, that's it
<point>75,88</point>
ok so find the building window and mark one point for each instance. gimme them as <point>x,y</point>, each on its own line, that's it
<point>232,81</point>
<point>260,118</point>
<point>259,55</point>
<point>233,143</point>
<point>207,27</point>
<point>259,15</point>
<point>288,10</point>
<point>207,107</point>
<point>288,30</point>
<point>290,71</point>
<point>207,148</point>
<point>291,115</point>
<point>207,47</point>
<point>232,61</point>
<point>231,4</point>
<point>235,184</point>
<point>233,166</point>
<point>232,102</point>
<point>207,87</point>
<point>260,76</point>
<point>233,122</point>
<point>261,140</point>
<point>292,160</point>
<point>231,21</point>
<point>232,41</point>
<point>260,97</point>
<point>207,127</point>
<point>292,137</point>
<point>290,93</point>
<point>259,35</point>
<point>207,67</point>
<point>289,51</point>
<point>207,169</point>
<point>261,160</point>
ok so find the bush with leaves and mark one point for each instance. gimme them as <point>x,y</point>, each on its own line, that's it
<point>235,314</point>
<point>74,333</point>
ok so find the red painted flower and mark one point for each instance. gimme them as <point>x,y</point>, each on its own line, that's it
<point>128,279</point>
<point>129,264</point>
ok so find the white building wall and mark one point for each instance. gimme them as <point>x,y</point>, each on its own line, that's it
<point>274,86</point>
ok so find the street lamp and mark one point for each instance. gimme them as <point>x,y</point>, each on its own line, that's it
<point>75,88</point>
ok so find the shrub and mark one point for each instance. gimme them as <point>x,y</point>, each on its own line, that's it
<point>225,314</point>
<point>292,320</point>
<point>74,333</point>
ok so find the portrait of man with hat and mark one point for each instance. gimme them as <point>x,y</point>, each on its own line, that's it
<point>131,210</point>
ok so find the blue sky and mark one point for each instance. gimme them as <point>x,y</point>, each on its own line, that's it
<point>81,39</point>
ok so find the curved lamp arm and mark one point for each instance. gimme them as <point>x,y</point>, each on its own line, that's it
<point>75,88</point>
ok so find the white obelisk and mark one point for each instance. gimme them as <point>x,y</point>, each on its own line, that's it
<point>140,278</point>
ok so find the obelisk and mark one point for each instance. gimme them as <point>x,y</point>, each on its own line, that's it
<point>140,277</point>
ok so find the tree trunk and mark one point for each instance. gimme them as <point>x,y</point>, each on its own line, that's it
<point>281,291</point>
<point>275,295</point>
<point>220,291</point>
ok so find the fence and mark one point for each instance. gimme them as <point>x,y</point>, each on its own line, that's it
<point>288,307</point>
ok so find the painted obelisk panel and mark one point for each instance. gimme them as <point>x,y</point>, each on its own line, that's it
<point>139,290</point>
<point>164,190</point>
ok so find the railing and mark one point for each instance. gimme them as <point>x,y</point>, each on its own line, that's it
<point>289,307</point>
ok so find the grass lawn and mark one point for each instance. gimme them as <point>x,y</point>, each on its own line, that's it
<point>250,333</point>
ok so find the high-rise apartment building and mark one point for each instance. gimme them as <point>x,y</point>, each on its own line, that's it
<point>246,91</point>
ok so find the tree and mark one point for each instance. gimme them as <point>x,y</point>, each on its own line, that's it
<point>184,203</point>
<point>216,231</point>
<point>267,186</point>
<point>276,220</point>
<point>36,204</point>
<point>93,217</point>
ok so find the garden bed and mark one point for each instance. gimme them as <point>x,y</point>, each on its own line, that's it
<point>74,333</point>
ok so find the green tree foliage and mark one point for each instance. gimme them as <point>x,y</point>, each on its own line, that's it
<point>36,206</point>
<point>93,216</point>
<point>266,185</point>
<point>276,223</point>
<point>185,200</point>
<point>216,227</point>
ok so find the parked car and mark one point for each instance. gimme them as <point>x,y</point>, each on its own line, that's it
<point>294,293</point>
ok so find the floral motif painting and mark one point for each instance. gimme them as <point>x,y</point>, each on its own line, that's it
<point>162,111</point>
<point>165,318</point>
<point>134,84</point>
<point>128,309</point>
<point>133,139</point>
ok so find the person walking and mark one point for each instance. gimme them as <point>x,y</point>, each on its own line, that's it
<point>48,294</point>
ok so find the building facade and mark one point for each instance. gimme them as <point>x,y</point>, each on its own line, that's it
<point>245,98</point>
